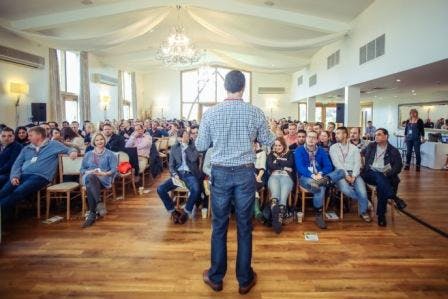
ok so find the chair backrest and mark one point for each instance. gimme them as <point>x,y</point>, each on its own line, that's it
<point>172,141</point>
<point>164,143</point>
<point>158,144</point>
<point>69,166</point>
<point>122,157</point>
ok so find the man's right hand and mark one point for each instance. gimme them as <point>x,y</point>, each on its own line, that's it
<point>15,181</point>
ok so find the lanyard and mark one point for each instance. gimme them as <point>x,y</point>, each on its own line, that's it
<point>344,155</point>
<point>380,155</point>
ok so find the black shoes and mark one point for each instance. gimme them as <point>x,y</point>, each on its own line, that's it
<point>320,221</point>
<point>276,216</point>
<point>207,281</point>
<point>417,168</point>
<point>399,203</point>
<point>382,221</point>
<point>183,217</point>
<point>245,290</point>
<point>90,220</point>
<point>175,216</point>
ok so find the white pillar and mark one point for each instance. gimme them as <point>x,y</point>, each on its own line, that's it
<point>352,97</point>
<point>311,109</point>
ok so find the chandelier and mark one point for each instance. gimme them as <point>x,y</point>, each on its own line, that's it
<point>178,49</point>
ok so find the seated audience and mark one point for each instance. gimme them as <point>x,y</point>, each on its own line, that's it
<point>260,170</point>
<point>317,127</point>
<point>281,181</point>
<point>316,173</point>
<point>142,142</point>
<point>75,127</point>
<point>330,129</point>
<point>382,165</point>
<point>72,138</point>
<point>98,169</point>
<point>155,132</point>
<point>355,138</point>
<point>291,138</point>
<point>346,156</point>
<point>429,124</point>
<point>370,131</point>
<point>9,150</point>
<point>126,130</point>
<point>89,130</point>
<point>47,128</point>
<point>325,141</point>
<point>183,165</point>
<point>301,137</point>
<point>21,136</point>
<point>34,168</point>
<point>114,142</point>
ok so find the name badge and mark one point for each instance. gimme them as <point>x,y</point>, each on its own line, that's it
<point>409,132</point>
<point>34,160</point>
<point>311,169</point>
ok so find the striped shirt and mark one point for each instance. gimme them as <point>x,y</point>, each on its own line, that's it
<point>232,127</point>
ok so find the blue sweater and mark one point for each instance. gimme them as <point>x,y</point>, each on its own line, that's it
<point>323,162</point>
<point>42,162</point>
<point>8,156</point>
<point>108,161</point>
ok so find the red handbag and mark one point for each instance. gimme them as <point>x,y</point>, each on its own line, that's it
<point>124,167</point>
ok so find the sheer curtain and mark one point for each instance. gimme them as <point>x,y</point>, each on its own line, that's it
<point>55,100</point>
<point>84,91</point>
<point>120,95</point>
<point>134,96</point>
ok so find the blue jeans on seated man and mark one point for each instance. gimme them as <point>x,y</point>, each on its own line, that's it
<point>229,184</point>
<point>319,193</point>
<point>29,184</point>
<point>193,187</point>
<point>384,189</point>
<point>357,191</point>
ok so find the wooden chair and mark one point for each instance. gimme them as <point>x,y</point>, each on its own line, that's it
<point>342,197</point>
<point>304,194</point>
<point>179,195</point>
<point>106,193</point>
<point>162,146</point>
<point>374,197</point>
<point>144,171</point>
<point>67,166</point>
<point>125,178</point>
<point>208,192</point>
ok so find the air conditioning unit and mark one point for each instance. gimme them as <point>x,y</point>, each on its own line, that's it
<point>271,90</point>
<point>103,79</point>
<point>23,58</point>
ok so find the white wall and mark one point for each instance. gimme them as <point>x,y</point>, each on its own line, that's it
<point>416,34</point>
<point>162,90</point>
<point>37,79</point>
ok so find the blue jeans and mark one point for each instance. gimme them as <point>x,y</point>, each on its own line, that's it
<point>29,184</point>
<point>384,188</point>
<point>357,191</point>
<point>192,184</point>
<point>413,144</point>
<point>280,187</point>
<point>319,193</point>
<point>237,184</point>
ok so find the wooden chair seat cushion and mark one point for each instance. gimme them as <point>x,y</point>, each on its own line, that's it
<point>63,187</point>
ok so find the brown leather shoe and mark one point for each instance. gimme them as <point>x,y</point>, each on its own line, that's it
<point>247,289</point>
<point>215,287</point>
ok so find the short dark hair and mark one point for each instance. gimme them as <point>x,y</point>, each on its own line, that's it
<point>344,129</point>
<point>7,129</point>
<point>385,132</point>
<point>180,133</point>
<point>318,124</point>
<point>234,81</point>
<point>38,130</point>
<point>301,131</point>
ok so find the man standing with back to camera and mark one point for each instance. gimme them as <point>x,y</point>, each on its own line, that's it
<point>232,126</point>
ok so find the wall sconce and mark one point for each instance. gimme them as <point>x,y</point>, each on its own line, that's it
<point>105,101</point>
<point>19,89</point>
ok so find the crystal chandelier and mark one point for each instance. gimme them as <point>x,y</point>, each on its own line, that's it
<point>177,49</point>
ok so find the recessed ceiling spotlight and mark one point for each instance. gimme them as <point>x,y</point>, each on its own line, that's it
<point>413,91</point>
<point>397,80</point>
<point>395,96</point>
<point>87,2</point>
<point>269,3</point>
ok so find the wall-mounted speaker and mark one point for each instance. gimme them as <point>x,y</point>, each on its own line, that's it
<point>39,112</point>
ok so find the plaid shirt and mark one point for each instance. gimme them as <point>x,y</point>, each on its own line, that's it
<point>232,127</point>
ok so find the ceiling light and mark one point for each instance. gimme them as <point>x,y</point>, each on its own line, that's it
<point>397,80</point>
<point>269,3</point>
<point>413,91</point>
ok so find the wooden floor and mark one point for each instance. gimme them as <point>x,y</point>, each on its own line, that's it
<point>137,253</point>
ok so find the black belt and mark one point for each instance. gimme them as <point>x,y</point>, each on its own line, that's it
<point>249,165</point>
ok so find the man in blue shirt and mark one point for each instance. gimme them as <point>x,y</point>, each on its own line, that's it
<point>314,167</point>
<point>34,168</point>
<point>9,150</point>
<point>232,126</point>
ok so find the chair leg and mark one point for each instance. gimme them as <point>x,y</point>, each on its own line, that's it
<point>341,207</point>
<point>83,198</point>
<point>133,185</point>
<point>123,188</point>
<point>303,204</point>
<point>47,214</point>
<point>38,204</point>
<point>114,192</point>
<point>68,206</point>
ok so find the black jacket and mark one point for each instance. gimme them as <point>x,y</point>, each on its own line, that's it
<point>116,144</point>
<point>392,157</point>
<point>279,163</point>
<point>8,157</point>
<point>192,156</point>
<point>420,128</point>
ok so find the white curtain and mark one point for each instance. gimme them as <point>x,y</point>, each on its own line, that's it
<point>98,41</point>
<point>55,99</point>
<point>120,96</point>
<point>84,94</point>
<point>134,96</point>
